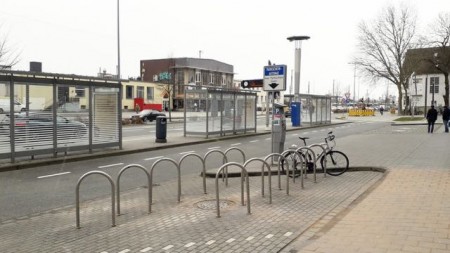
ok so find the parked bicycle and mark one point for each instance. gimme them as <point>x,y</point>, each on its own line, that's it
<point>335,162</point>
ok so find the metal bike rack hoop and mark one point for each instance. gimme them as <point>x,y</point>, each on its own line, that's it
<point>77,193</point>
<point>324,155</point>
<point>203,168</point>
<point>297,154</point>
<point>262,176</point>
<point>242,195</point>
<point>279,171</point>
<point>306,158</point>
<point>238,149</point>
<point>118,184</point>
<point>151,178</point>
<point>225,160</point>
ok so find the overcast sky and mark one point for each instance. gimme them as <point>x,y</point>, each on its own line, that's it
<point>80,36</point>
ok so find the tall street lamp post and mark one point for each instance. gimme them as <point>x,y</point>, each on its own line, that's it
<point>118,41</point>
<point>354,81</point>
<point>298,55</point>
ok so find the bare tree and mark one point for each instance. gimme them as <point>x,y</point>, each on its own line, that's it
<point>8,57</point>
<point>383,44</point>
<point>440,39</point>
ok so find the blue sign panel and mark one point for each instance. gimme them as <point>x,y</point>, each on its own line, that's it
<point>274,78</point>
<point>274,70</point>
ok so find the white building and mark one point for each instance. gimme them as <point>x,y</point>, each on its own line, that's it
<point>427,83</point>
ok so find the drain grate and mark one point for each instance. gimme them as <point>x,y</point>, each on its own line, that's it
<point>211,204</point>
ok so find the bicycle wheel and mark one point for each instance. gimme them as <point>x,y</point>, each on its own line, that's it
<point>294,163</point>
<point>337,163</point>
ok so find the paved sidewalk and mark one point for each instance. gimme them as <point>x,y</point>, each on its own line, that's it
<point>407,212</point>
<point>401,210</point>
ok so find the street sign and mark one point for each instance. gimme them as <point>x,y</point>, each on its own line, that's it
<point>275,78</point>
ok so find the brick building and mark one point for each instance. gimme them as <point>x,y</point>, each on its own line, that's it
<point>178,72</point>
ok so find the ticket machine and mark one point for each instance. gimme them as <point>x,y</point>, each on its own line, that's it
<point>278,127</point>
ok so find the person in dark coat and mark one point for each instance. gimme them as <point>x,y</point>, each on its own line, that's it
<point>431,118</point>
<point>446,117</point>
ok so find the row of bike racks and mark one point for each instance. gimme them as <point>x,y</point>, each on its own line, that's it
<point>309,152</point>
<point>223,170</point>
<point>115,185</point>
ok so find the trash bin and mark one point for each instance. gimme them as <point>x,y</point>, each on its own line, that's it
<point>161,129</point>
<point>295,113</point>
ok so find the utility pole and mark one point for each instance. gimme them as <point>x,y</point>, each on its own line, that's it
<point>118,41</point>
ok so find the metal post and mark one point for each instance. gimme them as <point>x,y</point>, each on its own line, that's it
<point>298,55</point>
<point>354,84</point>
<point>426,92</point>
<point>118,40</point>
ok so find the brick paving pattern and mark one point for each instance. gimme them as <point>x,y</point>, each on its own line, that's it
<point>404,209</point>
<point>173,227</point>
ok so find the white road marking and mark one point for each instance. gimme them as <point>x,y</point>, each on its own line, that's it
<point>266,139</point>
<point>109,165</point>
<point>236,144</point>
<point>214,148</point>
<point>187,152</point>
<point>288,234</point>
<point>168,247</point>
<point>230,240</point>
<point>146,249</point>
<point>254,141</point>
<point>250,238</point>
<point>54,175</point>
<point>294,134</point>
<point>124,251</point>
<point>152,158</point>
<point>210,242</point>
<point>189,244</point>
<point>269,236</point>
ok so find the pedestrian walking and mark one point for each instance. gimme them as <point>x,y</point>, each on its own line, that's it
<point>431,118</point>
<point>381,110</point>
<point>446,117</point>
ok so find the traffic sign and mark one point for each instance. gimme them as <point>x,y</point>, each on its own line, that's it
<point>275,78</point>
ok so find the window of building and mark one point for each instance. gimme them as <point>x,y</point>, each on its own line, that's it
<point>224,79</point>
<point>434,84</point>
<point>80,91</point>
<point>211,78</point>
<point>179,77</point>
<point>150,93</point>
<point>198,77</point>
<point>140,91</point>
<point>128,92</point>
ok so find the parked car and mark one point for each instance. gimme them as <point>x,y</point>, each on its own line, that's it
<point>147,115</point>
<point>4,106</point>
<point>39,127</point>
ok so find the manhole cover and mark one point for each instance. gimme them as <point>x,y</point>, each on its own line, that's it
<point>212,204</point>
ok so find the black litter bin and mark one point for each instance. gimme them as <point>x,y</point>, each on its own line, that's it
<point>161,129</point>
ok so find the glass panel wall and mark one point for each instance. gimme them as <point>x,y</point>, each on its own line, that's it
<point>214,113</point>
<point>54,114</point>
<point>315,109</point>
<point>219,111</point>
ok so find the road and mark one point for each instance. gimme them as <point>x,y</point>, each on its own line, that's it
<point>36,190</point>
